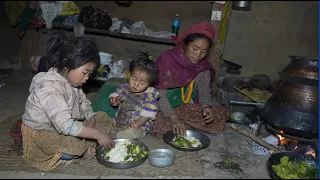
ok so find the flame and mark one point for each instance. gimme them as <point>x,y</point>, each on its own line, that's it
<point>284,141</point>
<point>311,151</point>
<point>279,136</point>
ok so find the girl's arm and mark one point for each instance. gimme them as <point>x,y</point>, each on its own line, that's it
<point>141,121</point>
<point>149,109</point>
<point>102,138</point>
<point>86,107</point>
<point>51,97</point>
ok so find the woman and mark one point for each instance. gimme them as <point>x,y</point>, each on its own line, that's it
<point>185,85</point>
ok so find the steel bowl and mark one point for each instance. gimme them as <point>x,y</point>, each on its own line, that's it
<point>274,159</point>
<point>161,157</point>
<point>204,140</point>
<point>101,151</point>
<point>238,117</point>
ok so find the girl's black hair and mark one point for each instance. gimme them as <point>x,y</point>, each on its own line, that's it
<point>195,36</point>
<point>66,51</point>
<point>144,63</point>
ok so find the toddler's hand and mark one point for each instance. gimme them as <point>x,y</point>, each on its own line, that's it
<point>119,99</point>
<point>116,101</point>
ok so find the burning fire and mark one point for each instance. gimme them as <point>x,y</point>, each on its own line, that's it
<point>285,141</point>
<point>311,151</point>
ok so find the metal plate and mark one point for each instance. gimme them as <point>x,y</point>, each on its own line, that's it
<point>101,152</point>
<point>274,159</point>
<point>204,140</point>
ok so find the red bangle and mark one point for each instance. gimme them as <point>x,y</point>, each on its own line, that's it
<point>113,100</point>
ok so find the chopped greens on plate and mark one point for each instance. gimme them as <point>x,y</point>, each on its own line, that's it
<point>125,152</point>
<point>185,142</point>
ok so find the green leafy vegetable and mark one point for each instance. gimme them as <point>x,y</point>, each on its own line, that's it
<point>288,169</point>
<point>134,153</point>
<point>182,142</point>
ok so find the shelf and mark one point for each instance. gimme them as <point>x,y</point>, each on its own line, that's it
<point>120,35</point>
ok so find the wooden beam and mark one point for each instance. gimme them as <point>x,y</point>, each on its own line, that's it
<point>221,27</point>
<point>272,149</point>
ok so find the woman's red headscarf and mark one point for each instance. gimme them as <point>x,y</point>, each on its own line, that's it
<point>174,68</point>
<point>203,27</point>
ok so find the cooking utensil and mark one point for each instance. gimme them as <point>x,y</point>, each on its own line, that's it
<point>238,117</point>
<point>249,96</point>
<point>259,105</point>
<point>301,70</point>
<point>204,140</point>
<point>274,159</point>
<point>101,151</point>
<point>293,107</point>
<point>161,157</point>
<point>241,5</point>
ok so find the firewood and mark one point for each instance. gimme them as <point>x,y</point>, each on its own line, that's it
<point>272,149</point>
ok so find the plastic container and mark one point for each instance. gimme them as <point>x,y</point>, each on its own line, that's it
<point>105,58</point>
<point>176,25</point>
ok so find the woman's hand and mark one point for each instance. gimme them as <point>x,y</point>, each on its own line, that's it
<point>105,140</point>
<point>177,126</point>
<point>207,114</point>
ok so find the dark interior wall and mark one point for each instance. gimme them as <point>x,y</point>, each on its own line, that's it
<point>261,39</point>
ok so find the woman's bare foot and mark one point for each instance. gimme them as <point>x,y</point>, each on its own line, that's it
<point>90,153</point>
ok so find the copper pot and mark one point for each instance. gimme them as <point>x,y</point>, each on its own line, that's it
<point>293,107</point>
<point>301,70</point>
<point>296,97</point>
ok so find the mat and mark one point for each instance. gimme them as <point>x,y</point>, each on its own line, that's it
<point>186,163</point>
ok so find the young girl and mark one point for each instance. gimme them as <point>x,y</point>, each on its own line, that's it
<point>58,120</point>
<point>137,99</point>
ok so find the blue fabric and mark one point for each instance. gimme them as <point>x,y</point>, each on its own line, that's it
<point>67,156</point>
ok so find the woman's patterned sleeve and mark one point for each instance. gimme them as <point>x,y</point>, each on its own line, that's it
<point>164,104</point>
<point>202,82</point>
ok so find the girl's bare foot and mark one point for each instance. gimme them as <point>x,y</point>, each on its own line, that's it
<point>90,153</point>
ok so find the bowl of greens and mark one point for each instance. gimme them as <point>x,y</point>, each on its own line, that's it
<point>126,154</point>
<point>292,165</point>
<point>193,141</point>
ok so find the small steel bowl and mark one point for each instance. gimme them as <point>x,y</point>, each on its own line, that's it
<point>161,157</point>
<point>238,117</point>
